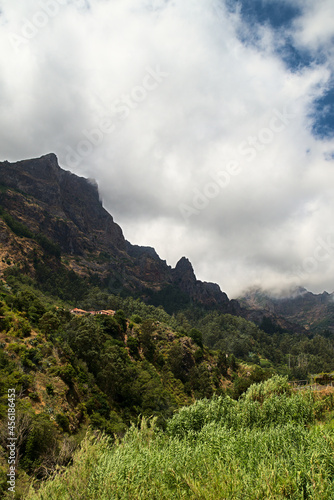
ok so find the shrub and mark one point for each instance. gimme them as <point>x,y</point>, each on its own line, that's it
<point>40,439</point>
<point>24,327</point>
<point>17,227</point>
<point>136,318</point>
<point>133,345</point>
<point>5,324</point>
<point>48,246</point>
<point>50,389</point>
<point>274,386</point>
<point>196,336</point>
<point>121,319</point>
<point>63,421</point>
<point>67,373</point>
<point>34,396</point>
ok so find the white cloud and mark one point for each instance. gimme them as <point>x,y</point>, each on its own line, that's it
<point>315,28</point>
<point>184,97</point>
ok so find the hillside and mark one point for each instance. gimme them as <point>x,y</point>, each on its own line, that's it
<point>153,339</point>
<point>73,371</point>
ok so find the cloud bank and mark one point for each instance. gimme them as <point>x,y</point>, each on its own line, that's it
<point>197,130</point>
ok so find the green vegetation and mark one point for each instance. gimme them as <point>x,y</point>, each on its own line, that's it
<point>23,231</point>
<point>102,372</point>
<point>263,446</point>
<point>204,429</point>
<point>17,227</point>
<point>165,400</point>
<point>295,355</point>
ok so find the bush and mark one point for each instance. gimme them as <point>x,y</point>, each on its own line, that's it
<point>17,227</point>
<point>5,324</point>
<point>136,318</point>
<point>67,373</point>
<point>34,396</point>
<point>48,246</point>
<point>63,421</point>
<point>276,406</point>
<point>197,337</point>
<point>121,319</point>
<point>133,345</point>
<point>50,389</point>
<point>274,386</point>
<point>24,327</point>
<point>2,307</point>
<point>110,325</point>
<point>40,439</point>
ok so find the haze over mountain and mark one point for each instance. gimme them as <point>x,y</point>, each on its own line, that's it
<point>313,312</point>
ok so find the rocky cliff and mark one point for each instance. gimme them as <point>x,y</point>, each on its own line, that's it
<point>65,208</point>
<point>209,293</point>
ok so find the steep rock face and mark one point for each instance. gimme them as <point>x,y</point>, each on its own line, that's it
<point>147,265</point>
<point>67,209</point>
<point>205,293</point>
<point>184,276</point>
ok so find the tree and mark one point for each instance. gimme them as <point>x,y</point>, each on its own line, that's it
<point>196,336</point>
<point>146,340</point>
<point>222,363</point>
<point>121,319</point>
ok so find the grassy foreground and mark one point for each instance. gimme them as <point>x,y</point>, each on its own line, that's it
<point>268,445</point>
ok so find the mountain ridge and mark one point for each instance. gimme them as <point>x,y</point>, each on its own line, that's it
<point>67,209</point>
<point>299,306</point>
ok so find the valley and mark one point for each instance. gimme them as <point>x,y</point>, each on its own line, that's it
<point>110,349</point>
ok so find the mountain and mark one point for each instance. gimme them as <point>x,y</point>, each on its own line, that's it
<point>114,359</point>
<point>46,203</point>
<point>314,312</point>
<point>47,208</point>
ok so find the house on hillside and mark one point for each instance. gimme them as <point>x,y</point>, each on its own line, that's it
<point>107,312</point>
<point>78,312</point>
<point>81,312</point>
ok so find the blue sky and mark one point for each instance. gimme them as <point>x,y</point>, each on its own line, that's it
<point>276,13</point>
<point>207,125</point>
<point>280,16</point>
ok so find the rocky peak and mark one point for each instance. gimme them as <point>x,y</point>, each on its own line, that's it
<point>184,271</point>
<point>207,294</point>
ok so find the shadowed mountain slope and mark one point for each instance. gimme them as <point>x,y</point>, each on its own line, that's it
<point>67,210</point>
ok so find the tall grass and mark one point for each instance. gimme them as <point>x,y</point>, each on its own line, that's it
<point>218,449</point>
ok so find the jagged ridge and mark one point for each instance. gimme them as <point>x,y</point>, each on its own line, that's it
<point>67,209</point>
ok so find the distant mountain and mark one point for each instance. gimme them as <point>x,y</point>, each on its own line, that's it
<point>314,312</point>
<point>66,209</point>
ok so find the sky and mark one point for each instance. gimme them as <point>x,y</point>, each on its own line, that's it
<point>208,125</point>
